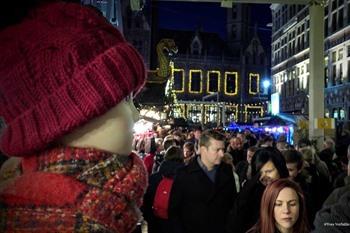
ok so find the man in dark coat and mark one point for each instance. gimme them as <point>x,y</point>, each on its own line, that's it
<point>204,190</point>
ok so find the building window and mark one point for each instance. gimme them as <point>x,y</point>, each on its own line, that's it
<point>195,48</point>
<point>334,22</point>
<point>195,81</point>
<point>340,74</point>
<point>334,56</point>
<point>231,83</point>
<point>335,113</point>
<point>334,74</point>
<point>179,80</point>
<point>194,113</point>
<point>234,32</point>
<point>340,18</point>
<point>234,11</point>
<point>340,54</point>
<point>213,81</point>
<point>334,5</point>
<point>340,2</point>
<point>254,80</point>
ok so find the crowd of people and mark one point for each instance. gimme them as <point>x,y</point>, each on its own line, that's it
<point>244,182</point>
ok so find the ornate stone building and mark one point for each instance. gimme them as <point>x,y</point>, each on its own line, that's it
<point>290,58</point>
<point>219,80</point>
<point>216,80</point>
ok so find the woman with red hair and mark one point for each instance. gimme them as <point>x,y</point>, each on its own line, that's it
<point>282,209</point>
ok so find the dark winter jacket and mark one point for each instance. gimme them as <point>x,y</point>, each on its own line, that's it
<point>197,205</point>
<point>166,169</point>
<point>246,209</point>
<point>335,217</point>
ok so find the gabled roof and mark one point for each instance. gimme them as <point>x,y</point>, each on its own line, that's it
<point>212,43</point>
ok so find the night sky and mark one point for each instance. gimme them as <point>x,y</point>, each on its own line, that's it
<point>210,16</point>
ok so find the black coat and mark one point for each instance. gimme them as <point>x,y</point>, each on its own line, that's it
<point>166,169</point>
<point>246,209</point>
<point>197,205</point>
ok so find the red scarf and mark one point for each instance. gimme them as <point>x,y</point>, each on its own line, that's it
<point>74,190</point>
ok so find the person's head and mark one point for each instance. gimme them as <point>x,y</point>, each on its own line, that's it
<point>266,141</point>
<point>170,141</point>
<point>241,136</point>
<point>250,153</point>
<point>236,143</point>
<point>308,154</point>
<point>294,161</point>
<point>228,159</point>
<point>188,149</point>
<point>174,153</point>
<point>65,71</point>
<point>212,148</point>
<point>281,146</point>
<point>159,144</point>
<point>303,143</point>
<point>197,133</point>
<point>270,164</point>
<point>329,144</point>
<point>178,136</point>
<point>283,207</point>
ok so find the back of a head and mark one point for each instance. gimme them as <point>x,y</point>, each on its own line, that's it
<point>174,153</point>
<point>170,141</point>
<point>304,142</point>
<point>293,156</point>
<point>308,154</point>
<point>210,134</point>
<point>264,155</point>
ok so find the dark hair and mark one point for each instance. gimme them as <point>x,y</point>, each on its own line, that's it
<point>170,141</point>
<point>267,138</point>
<point>174,153</point>
<point>266,222</point>
<point>210,134</point>
<point>293,156</point>
<point>264,155</point>
<point>189,145</point>
<point>253,149</point>
<point>304,142</point>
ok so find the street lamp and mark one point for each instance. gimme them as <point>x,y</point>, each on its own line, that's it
<point>266,85</point>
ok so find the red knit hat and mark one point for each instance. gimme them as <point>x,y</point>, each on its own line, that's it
<point>63,65</point>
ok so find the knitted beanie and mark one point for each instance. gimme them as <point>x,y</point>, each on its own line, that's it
<point>63,65</point>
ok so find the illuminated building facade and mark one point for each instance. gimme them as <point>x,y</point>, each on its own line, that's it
<point>290,58</point>
<point>219,81</point>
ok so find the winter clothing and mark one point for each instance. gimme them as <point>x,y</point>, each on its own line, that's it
<point>237,155</point>
<point>62,66</point>
<point>148,161</point>
<point>244,172</point>
<point>167,169</point>
<point>335,217</point>
<point>74,190</point>
<point>197,205</point>
<point>246,208</point>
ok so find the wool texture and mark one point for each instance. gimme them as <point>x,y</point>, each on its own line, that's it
<point>74,190</point>
<point>60,67</point>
